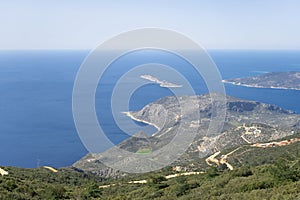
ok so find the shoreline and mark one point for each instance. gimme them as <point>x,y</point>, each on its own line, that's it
<point>257,86</point>
<point>128,114</point>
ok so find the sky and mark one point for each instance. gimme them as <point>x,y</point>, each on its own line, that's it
<point>215,24</point>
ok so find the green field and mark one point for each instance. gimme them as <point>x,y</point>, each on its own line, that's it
<point>144,151</point>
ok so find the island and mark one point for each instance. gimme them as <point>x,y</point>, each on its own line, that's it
<point>162,83</point>
<point>275,80</point>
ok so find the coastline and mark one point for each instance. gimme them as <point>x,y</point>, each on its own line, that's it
<point>257,86</point>
<point>128,114</point>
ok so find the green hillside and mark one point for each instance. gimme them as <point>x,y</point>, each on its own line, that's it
<point>259,173</point>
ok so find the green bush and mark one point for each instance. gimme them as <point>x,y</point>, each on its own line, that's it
<point>284,170</point>
<point>212,172</point>
<point>93,190</point>
<point>243,171</point>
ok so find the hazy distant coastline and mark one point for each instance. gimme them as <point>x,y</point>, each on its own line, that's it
<point>273,80</point>
<point>257,86</point>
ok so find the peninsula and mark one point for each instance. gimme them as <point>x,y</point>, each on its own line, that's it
<point>275,80</point>
<point>162,83</point>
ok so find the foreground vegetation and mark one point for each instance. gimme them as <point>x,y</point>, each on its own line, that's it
<point>280,180</point>
<point>272,173</point>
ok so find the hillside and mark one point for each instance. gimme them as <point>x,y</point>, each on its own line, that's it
<point>259,173</point>
<point>246,122</point>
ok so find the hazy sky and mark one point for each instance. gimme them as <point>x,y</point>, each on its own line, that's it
<point>83,24</point>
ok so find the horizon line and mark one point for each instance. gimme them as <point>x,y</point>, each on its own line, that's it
<point>208,49</point>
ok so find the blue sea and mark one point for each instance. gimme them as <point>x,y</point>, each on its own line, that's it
<point>36,121</point>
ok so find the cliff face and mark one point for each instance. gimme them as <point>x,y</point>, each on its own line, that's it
<point>246,122</point>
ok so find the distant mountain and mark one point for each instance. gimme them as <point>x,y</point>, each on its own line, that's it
<point>277,80</point>
<point>246,122</point>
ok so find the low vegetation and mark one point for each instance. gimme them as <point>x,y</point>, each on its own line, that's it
<point>262,173</point>
<point>280,180</point>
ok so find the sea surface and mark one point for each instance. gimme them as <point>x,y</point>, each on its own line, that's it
<point>36,121</point>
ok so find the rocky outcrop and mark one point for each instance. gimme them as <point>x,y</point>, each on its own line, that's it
<point>3,172</point>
